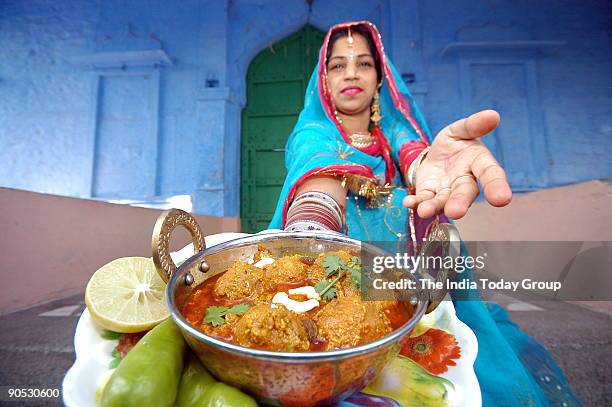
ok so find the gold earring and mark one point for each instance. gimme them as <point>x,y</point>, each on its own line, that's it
<point>376,117</point>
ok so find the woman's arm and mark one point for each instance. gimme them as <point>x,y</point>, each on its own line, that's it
<point>332,186</point>
<point>318,205</point>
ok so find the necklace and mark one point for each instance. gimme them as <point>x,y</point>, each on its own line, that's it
<point>361,139</point>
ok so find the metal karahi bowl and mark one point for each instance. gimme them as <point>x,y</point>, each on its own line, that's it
<point>279,378</point>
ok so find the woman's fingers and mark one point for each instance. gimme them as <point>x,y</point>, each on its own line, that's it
<point>493,179</point>
<point>411,201</point>
<point>465,190</point>
<point>472,127</point>
<point>429,199</point>
<point>430,207</point>
<point>457,199</point>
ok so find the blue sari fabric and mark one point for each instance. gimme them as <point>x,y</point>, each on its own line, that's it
<point>512,368</point>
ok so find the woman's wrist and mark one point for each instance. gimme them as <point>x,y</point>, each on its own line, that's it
<point>408,153</point>
<point>414,166</point>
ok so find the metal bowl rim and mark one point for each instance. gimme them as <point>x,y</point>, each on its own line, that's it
<point>272,355</point>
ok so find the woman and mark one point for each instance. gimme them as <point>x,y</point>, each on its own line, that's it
<point>359,138</point>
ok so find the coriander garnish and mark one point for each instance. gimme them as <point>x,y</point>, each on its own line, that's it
<point>110,335</point>
<point>215,314</point>
<point>116,359</point>
<point>334,264</point>
<point>354,267</point>
<point>326,289</point>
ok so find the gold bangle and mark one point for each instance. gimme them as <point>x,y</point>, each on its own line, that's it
<point>411,175</point>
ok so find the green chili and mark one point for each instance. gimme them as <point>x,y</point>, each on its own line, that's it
<point>199,388</point>
<point>149,374</point>
<point>194,383</point>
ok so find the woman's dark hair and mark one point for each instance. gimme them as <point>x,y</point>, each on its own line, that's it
<point>363,31</point>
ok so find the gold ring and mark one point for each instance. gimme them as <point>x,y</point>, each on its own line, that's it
<point>463,176</point>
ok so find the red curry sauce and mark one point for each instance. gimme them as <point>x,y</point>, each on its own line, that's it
<point>204,296</point>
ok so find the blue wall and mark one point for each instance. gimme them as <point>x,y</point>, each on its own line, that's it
<point>113,99</point>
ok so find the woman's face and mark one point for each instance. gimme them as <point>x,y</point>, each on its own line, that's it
<point>351,75</point>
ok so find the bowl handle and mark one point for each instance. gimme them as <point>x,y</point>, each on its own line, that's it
<point>446,237</point>
<point>160,243</point>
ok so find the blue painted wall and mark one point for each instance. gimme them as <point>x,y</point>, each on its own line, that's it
<point>142,99</point>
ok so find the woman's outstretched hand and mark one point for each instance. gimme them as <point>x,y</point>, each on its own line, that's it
<point>447,178</point>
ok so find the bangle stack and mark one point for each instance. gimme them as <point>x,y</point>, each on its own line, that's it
<point>314,210</point>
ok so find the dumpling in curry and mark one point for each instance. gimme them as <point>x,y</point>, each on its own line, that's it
<point>271,327</point>
<point>285,270</point>
<point>347,321</point>
<point>239,281</point>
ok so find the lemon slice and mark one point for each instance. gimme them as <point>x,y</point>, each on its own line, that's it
<point>127,295</point>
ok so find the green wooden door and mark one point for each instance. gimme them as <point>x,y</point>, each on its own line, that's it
<point>276,83</point>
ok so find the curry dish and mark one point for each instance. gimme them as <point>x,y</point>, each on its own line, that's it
<point>292,304</point>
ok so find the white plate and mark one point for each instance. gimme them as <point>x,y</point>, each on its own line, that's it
<point>467,389</point>
<point>93,353</point>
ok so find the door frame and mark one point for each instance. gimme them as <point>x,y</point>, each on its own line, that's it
<point>538,138</point>
<point>150,134</point>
